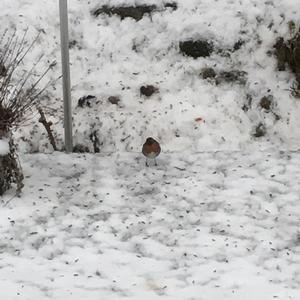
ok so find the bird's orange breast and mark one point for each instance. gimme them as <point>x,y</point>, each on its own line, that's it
<point>152,150</point>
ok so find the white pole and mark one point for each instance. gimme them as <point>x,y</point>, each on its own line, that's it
<point>64,37</point>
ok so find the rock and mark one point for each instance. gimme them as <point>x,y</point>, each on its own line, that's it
<point>172,5</point>
<point>114,100</point>
<point>74,44</point>
<point>148,90</point>
<point>260,130</point>
<point>135,12</point>
<point>237,46</point>
<point>232,76</point>
<point>85,101</point>
<point>277,117</point>
<point>195,49</point>
<point>79,148</point>
<point>266,102</point>
<point>208,73</point>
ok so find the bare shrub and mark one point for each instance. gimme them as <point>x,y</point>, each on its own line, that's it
<point>19,95</point>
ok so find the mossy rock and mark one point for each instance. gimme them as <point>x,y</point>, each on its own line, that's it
<point>196,49</point>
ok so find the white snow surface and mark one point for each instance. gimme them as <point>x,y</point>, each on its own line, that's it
<point>104,63</point>
<point>4,147</point>
<point>221,226</point>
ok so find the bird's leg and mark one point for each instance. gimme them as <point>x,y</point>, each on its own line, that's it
<point>155,162</point>
<point>147,162</point>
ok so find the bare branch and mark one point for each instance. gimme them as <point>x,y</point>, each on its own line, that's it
<point>18,92</point>
<point>47,126</point>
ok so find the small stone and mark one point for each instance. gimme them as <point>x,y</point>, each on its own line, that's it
<point>260,130</point>
<point>148,90</point>
<point>79,148</point>
<point>266,102</point>
<point>238,45</point>
<point>208,73</point>
<point>172,5</point>
<point>72,44</point>
<point>232,76</point>
<point>114,100</point>
<point>85,101</point>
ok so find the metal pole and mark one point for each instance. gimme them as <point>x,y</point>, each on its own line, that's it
<point>64,38</point>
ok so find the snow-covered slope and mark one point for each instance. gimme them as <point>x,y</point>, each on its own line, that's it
<point>114,57</point>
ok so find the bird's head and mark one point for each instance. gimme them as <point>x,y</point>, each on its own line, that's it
<point>150,141</point>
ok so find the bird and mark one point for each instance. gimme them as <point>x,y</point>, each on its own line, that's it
<point>151,149</point>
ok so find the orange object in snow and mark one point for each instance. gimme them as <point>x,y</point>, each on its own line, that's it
<point>199,119</point>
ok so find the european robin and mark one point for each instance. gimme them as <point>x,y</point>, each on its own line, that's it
<point>151,149</point>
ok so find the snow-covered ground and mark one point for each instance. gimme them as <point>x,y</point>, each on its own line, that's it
<point>203,226</point>
<point>218,219</point>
